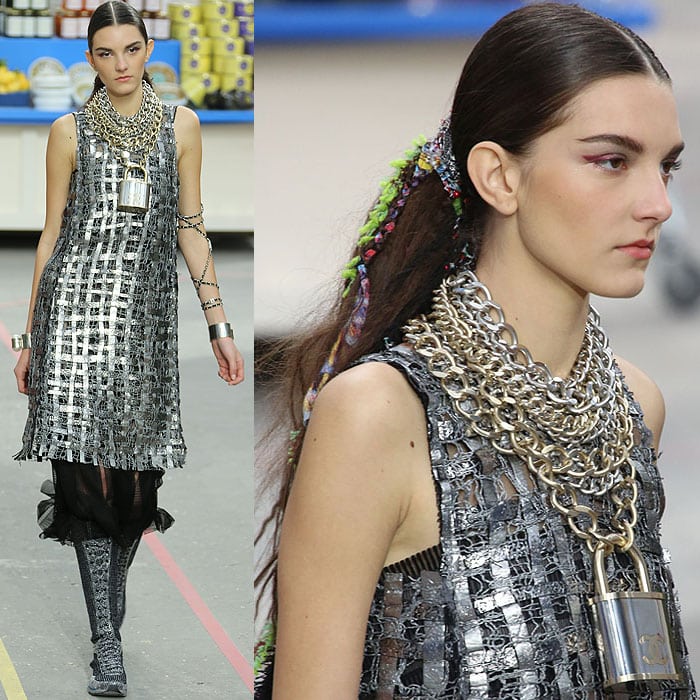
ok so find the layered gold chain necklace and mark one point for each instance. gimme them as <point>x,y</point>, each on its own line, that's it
<point>131,139</point>
<point>137,134</point>
<point>574,435</point>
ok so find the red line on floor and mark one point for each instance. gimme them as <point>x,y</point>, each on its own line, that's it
<point>193,599</point>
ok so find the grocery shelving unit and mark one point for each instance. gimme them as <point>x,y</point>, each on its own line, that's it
<point>227,142</point>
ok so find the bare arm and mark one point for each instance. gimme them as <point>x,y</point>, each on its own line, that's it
<point>364,453</point>
<point>60,163</point>
<point>194,243</point>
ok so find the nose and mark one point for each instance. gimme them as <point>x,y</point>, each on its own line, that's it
<point>121,63</point>
<point>654,202</point>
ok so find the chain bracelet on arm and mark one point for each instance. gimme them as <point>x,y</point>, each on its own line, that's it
<point>574,435</point>
<point>195,222</point>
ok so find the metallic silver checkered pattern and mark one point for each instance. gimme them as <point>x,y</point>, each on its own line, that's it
<point>104,368</point>
<point>505,614</point>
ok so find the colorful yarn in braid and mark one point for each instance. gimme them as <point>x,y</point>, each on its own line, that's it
<point>425,156</point>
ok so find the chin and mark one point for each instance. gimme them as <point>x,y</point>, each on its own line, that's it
<point>621,289</point>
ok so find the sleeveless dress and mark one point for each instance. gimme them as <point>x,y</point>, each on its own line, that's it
<point>103,378</point>
<point>499,608</point>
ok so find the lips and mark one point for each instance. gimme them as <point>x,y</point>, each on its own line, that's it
<point>640,250</point>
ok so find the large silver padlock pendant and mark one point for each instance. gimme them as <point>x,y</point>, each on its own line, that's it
<point>631,628</point>
<point>134,192</point>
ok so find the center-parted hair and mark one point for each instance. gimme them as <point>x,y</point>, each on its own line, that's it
<point>516,85</point>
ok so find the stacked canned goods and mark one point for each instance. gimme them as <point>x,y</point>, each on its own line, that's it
<point>216,48</point>
<point>26,18</point>
<point>74,15</point>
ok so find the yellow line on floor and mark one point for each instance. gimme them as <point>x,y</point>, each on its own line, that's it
<point>9,678</point>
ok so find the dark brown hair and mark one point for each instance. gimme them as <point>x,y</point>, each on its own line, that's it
<point>107,15</point>
<point>516,85</point>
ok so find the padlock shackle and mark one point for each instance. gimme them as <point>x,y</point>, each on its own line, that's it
<point>135,166</point>
<point>601,579</point>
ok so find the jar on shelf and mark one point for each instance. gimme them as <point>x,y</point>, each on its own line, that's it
<point>161,26</point>
<point>67,24</point>
<point>28,25</point>
<point>44,24</point>
<point>13,22</point>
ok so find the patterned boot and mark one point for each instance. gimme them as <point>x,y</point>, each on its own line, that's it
<point>101,594</point>
<point>121,561</point>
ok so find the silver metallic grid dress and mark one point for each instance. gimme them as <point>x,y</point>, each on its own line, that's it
<point>104,377</point>
<point>499,608</point>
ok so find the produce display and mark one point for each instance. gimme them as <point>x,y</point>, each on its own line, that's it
<point>12,81</point>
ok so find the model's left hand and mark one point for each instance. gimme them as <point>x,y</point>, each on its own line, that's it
<point>230,360</point>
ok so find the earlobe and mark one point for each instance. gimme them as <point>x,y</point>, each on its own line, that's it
<point>495,175</point>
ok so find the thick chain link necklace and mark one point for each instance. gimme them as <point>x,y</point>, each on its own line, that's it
<point>129,137</point>
<point>574,434</point>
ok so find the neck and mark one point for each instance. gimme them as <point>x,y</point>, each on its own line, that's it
<point>548,315</point>
<point>127,105</point>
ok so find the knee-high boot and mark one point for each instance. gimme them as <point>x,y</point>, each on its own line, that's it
<point>97,572</point>
<point>122,556</point>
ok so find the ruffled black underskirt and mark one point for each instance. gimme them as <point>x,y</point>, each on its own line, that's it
<point>86,501</point>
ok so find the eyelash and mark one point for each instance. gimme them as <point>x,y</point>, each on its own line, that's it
<point>667,167</point>
<point>106,54</point>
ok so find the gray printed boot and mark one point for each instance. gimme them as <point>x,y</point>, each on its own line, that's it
<point>97,569</point>
<point>121,561</point>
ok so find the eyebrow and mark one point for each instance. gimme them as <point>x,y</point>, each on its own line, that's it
<point>106,48</point>
<point>629,143</point>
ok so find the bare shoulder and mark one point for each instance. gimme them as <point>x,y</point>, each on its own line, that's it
<point>372,392</point>
<point>63,134</point>
<point>64,126</point>
<point>367,416</point>
<point>648,394</point>
<point>61,148</point>
<point>186,122</point>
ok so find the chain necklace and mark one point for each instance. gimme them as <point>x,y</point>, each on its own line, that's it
<point>127,136</point>
<point>574,434</point>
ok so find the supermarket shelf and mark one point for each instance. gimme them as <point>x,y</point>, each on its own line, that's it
<point>20,53</point>
<point>292,22</point>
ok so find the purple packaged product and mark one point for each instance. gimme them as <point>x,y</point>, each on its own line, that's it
<point>242,9</point>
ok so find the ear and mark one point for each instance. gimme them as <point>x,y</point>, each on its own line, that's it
<point>495,174</point>
<point>149,48</point>
<point>88,58</point>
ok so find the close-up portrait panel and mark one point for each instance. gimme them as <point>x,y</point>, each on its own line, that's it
<point>476,300</point>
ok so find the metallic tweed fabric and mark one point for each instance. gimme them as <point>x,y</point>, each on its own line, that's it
<point>505,613</point>
<point>104,371</point>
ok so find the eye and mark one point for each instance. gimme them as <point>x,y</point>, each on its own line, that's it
<point>612,163</point>
<point>103,54</point>
<point>134,49</point>
<point>668,167</point>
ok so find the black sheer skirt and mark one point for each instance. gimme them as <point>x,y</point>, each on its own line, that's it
<point>88,501</point>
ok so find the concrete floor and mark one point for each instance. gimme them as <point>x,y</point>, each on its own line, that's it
<point>168,652</point>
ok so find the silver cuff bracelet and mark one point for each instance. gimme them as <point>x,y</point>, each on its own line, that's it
<point>22,342</point>
<point>220,330</point>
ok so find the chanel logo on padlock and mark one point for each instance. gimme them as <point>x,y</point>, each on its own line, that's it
<point>655,646</point>
<point>631,629</point>
<point>134,193</point>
